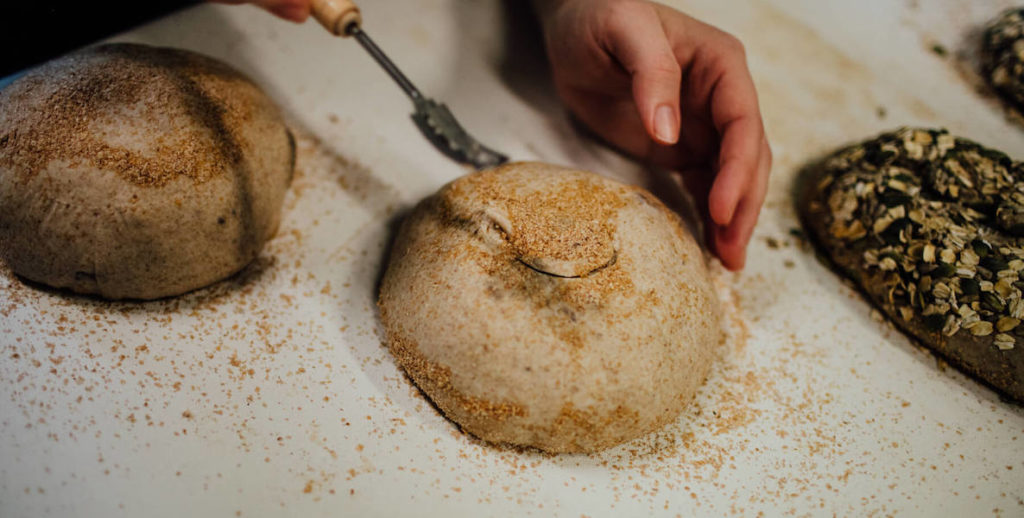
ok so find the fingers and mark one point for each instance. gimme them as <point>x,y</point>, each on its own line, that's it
<point>737,118</point>
<point>744,156</point>
<point>731,240</point>
<point>738,161</point>
<point>635,38</point>
<point>294,10</point>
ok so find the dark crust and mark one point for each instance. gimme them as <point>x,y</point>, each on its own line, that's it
<point>1002,370</point>
<point>1003,66</point>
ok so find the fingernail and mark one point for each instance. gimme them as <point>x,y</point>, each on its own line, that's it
<point>665,125</point>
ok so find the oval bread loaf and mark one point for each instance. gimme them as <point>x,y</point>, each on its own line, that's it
<point>931,227</point>
<point>129,171</point>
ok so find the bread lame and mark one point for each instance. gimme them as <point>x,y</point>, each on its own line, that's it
<point>434,119</point>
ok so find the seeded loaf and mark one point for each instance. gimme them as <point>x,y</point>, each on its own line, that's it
<point>546,307</point>
<point>130,171</point>
<point>931,227</point>
<point>1003,55</point>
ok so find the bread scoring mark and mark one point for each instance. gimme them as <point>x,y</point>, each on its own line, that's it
<point>56,106</point>
<point>293,154</point>
<point>148,116</point>
<point>212,113</point>
<point>540,269</point>
<point>565,230</point>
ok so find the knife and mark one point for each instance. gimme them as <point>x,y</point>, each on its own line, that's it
<point>434,119</point>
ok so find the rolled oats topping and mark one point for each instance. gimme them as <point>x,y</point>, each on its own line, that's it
<point>931,227</point>
<point>938,220</point>
<point>1003,55</point>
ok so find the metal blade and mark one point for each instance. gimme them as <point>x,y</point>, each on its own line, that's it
<point>434,119</point>
<point>437,123</point>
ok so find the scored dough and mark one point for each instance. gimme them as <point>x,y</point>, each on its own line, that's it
<point>130,171</point>
<point>547,307</point>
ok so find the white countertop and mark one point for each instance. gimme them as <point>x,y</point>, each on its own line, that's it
<point>271,394</point>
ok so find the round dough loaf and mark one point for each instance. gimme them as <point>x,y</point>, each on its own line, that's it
<point>130,171</point>
<point>546,307</point>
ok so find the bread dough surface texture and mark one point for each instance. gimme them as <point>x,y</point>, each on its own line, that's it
<point>931,226</point>
<point>546,307</point>
<point>130,171</point>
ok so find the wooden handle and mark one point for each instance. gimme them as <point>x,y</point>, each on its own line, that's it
<point>337,15</point>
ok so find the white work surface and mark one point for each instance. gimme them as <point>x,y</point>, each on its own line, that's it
<point>271,394</point>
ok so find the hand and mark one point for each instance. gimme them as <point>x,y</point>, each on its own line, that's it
<point>672,90</point>
<point>294,10</point>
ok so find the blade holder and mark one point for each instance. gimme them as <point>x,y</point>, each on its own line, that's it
<point>434,119</point>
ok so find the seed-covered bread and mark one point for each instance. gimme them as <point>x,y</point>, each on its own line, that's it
<point>546,307</point>
<point>932,229</point>
<point>1003,55</point>
<point>130,171</point>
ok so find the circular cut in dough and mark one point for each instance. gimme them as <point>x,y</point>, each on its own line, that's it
<point>546,307</point>
<point>130,171</point>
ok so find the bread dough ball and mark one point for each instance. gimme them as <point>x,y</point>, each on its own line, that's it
<point>130,171</point>
<point>546,307</point>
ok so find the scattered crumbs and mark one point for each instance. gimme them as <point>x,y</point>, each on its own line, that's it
<point>881,112</point>
<point>226,352</point>
<point>939,50</point>
<point>800,238</point>
<point>237,349</point>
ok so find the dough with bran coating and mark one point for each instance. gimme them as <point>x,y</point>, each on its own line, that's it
<point>129,171</point>
<point>542,306</point>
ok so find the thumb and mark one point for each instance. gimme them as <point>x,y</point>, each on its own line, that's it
<point>656,75</point>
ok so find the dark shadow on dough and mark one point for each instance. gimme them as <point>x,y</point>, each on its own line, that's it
<point>668,187</point>
<point>246,278</point>
<point>384,259</point>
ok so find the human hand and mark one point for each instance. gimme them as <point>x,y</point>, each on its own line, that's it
<point>294,10</point>
<point>672,90</point>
